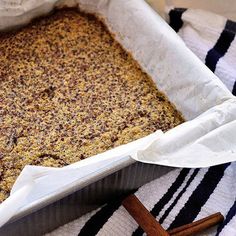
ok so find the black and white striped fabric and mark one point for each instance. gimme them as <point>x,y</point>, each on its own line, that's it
<point>212,38</point>
<point>182,195</point>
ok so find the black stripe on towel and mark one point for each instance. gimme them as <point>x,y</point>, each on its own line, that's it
<point>234,89</point>
<point>96,222</point>
<point>222,45</point>
<point>166,197</point>
<point>199,196</point>
<point>195,172</point>
<point>175,18</point>
<point>230,215</point>
<point>231,26</point>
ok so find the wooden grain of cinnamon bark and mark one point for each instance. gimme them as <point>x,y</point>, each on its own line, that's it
<point>143,217</point>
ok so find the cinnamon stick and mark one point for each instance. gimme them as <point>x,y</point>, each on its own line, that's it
<point>153,228</point>
<point>197,226</point>
<point>143,217</point>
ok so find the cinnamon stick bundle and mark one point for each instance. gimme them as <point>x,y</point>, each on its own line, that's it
<point>153,228</point>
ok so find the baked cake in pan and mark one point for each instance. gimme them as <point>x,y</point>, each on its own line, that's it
<point>68,91</point>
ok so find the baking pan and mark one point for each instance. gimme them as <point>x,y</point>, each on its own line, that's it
<point>84,198</point>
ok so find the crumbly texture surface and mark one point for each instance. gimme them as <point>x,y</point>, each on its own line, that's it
<point>69,91</point>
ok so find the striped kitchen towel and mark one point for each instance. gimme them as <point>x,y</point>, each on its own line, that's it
<point>182,195</point>
<point>212,38</point>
